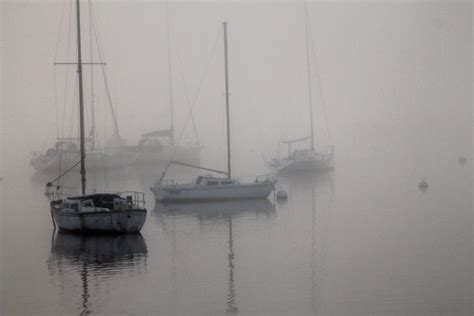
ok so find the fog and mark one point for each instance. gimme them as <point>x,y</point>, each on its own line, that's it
<point>396,81</point>
<point>393,74</point>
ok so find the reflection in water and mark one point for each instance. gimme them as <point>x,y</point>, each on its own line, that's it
<point>218,212</point>
<point>231,308</point>
<point>319,187</point>
<point>102,256</point>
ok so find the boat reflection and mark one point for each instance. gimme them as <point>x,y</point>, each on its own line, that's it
<point>98,256</point>
<point>224,212</point>
<point>217,211</point>
<point>313,195</point>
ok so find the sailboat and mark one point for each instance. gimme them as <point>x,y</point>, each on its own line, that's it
<point>65,153</point>
<point>209,188</point>
<point>314,157</point>
<point>99,212</point>
<point>162,146</point>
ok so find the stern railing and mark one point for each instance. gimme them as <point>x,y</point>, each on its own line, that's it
<point>134,198</point>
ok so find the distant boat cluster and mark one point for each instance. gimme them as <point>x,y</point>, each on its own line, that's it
<point>125,212</point>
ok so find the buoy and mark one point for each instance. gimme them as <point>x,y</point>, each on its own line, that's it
<point>423,185</point>
<point>282,195</point>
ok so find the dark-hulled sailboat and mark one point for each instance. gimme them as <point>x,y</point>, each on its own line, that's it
<point>99,212</point>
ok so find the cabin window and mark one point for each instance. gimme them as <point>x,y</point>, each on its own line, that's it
<point>87,203</point>
<point>199,180</point>
<point>212,182</point>
<point>226,182</point>
<point>75,206</point>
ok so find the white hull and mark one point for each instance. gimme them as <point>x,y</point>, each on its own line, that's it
<point>129,221</point>
<point>185,193</point>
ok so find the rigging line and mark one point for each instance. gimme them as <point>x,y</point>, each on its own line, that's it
<point>321,94</point>
<point>170,80</point>
<point>107,90</point>
<point>65,172</point>
<point>91,51</point>
<point>56,101</point>
<point>54,68</point>
<point>108,96</point>
<point>309,74</point>
<point>280,139</point>
<point>69,134</point>
<point>186,92</point>
<point>192,104</point>
<point>104,74</point>
<point>192,107</point>
<point>66,75</point>
<point>106,184</point>
<point>201,81</point>
<point>59,30</point>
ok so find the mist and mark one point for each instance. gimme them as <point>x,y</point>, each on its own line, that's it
<point>393,75</point>
<point>392,81</point>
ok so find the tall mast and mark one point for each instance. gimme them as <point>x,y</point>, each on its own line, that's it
<point>92,75</point>
<point>170,82</point>
<point>227,100</point>
<point>310,98</point>
<point>81,99</point>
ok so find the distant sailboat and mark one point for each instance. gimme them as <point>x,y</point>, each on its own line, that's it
<point>160,146</point>
<point>312,158</point>
<point>98,212</point>
<point>214,188</point>
<point>66,151</point>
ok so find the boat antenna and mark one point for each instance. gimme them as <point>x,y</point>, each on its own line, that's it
<point>81,99</point>
<point>170,81</point>
<point>310,97</point>
<point>227,100</point>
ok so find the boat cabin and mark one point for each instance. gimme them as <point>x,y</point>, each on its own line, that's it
<point>91,202</point>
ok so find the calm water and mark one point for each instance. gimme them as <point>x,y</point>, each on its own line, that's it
<point>346,242</point>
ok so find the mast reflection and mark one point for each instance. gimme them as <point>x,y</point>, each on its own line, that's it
<point>225,212</point>
<point>316,192</point>
<point>97,256</point>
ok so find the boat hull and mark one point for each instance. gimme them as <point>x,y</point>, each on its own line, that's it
<point>131,156</point>
<point>206,193</point>
<point>303,165</point>
<point>185,154</point>
<point>127,221</point>
<point>93,161</point>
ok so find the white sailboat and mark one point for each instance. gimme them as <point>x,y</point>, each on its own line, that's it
<point>209,188</point>
<point>315,157</point>
<point>98,212</point>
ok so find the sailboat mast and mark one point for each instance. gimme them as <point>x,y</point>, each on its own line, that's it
<point>227,100</point>
<point>92,135</point>
<point>308,64</point>
<point>81,99</point>
<point>170,81</point>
